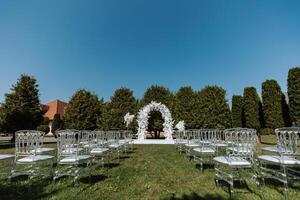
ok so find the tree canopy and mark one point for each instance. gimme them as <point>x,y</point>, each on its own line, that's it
<point>237,111</point>
<point>294,94</point>
<point>21,108</point>
<point>82,111</point>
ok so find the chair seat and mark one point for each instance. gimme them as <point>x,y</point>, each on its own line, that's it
<point>286,160</point>
<point>275,149</point>
<point>192,145</point>
<point>71,150</point>
<point>114,146</point>
<point>204,150</point>
<point>240,149</point>
<point>232,161</point>
<point>36,158</point>
<point>96,151</point>
<point>6,156</point>
<point>220,145</point>
<point>75,159</point>
<point>123,141</point>
<point>181,142</point>
<point>42,150</point>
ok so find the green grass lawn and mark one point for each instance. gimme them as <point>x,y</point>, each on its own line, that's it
<point>149,172</point>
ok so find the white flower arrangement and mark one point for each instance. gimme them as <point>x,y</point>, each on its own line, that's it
<point>143,117</point>
<point>128,119</point>
<point>180,126</point>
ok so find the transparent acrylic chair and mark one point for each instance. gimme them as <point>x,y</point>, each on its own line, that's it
<point>192,142</point>
<point>239,162</point>
<point>98,149</point>
<point>113,142</point>
<point>71,159</point>
<point>284,166</point>
<point>181,140</point>
<point>28,160</point>
<point>206,150</point>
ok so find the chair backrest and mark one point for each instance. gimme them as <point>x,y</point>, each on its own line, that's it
<point>192,136</point>
<point>85,137</point>
<point>27,142</point>
<point>206,137</point>
<point>180,135</point>
<point>112,137</point>
<point>220,136</point>
<point>287,140</point>
<point>241,142</point>
<point>97,138</point>
<point>67,142</point>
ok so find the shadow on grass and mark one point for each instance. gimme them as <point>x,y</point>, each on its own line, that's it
<point>111,165</point>
<point>205,167</point>
<point>195,196</point>
<point>94,179</point>
<point>21,189</point>
<point>124,157</point>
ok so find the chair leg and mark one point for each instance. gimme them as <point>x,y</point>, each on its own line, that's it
<point>285,182</point>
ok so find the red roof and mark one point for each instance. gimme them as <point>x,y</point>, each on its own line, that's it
<point>55,107</point>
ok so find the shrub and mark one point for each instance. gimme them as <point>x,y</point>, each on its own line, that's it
<point>43,128</point>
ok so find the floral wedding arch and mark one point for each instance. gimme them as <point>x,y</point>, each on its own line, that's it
<point>143,117</point>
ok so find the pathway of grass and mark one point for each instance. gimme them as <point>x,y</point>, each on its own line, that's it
<point>150,172</point>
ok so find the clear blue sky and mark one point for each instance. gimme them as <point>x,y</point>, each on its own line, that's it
<point>102,45</point>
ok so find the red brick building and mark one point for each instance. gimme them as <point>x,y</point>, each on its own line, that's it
<point>55,107</point>
<point>52,108</point>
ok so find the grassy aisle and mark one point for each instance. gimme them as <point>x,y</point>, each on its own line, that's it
<point>150,172</point>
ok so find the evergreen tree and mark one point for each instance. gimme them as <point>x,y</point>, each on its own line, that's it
<point>252,108</point>
<point>285,111</point>
<point>160,95</point>
<point>184,101</point>
<point>237,111</point>
<point>120,104</point>
<point>56,123</point>
<point>294,94</point>
<point>272,104</point>
<point>21,108</point>
<point>82,111</point>
<point>214,109</point>
<point>103,118</point>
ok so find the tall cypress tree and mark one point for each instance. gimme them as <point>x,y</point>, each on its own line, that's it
<point>294,94</point>
<point>184,101</point>
<point>252,108</point>
<point>272,104</point>
<point>237,111</point>
<point>214,109</point>
<point>120,104</point>
<point>21,108</point>
<point>82,111</point>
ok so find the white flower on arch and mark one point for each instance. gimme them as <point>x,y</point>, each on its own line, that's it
<point>128,118</point>
<point>143,117</point>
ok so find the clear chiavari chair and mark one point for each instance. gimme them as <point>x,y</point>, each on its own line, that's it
<point>192,138</point>
<point>28,158</point>
<point>113,142</point>
<point>239,162</point>
<point>284,166</point>
<point>206,150</point>
<point>71,159</point>
<point>98,149</point>
<point>181,140</point>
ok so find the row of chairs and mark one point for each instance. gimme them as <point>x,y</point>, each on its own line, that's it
<point>234,154</point>
<point>76,152</point>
